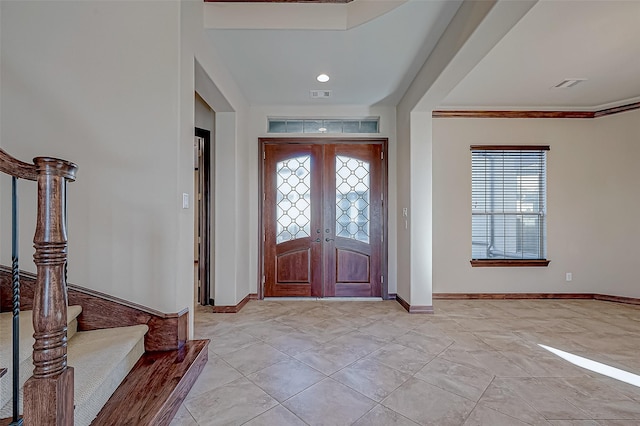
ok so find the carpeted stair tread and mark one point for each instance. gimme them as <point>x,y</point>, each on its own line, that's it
<point>26,331</point>
<point>26,347</point>
<point>101,360</point>
<point>94,355</point>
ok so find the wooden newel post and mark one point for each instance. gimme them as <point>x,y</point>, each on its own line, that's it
<point>48,394</point>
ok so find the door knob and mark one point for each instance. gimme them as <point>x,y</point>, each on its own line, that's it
<point>317,240</point>
<point>328,239</point>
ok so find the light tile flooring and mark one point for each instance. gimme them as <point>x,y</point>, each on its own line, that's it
<point>370,363</point>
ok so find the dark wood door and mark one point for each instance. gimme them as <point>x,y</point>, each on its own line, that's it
<point>323,219</point>
<point>353,213</point>
<point>293,220</point>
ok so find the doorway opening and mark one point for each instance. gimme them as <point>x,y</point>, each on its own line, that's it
<point>202,216</point>
<point>324,217</point>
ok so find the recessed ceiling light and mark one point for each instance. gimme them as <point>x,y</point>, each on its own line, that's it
<point>322,78</point>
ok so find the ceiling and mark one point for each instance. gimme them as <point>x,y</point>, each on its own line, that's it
<point>278,1</point>
<point>554,41</point>
<point>370,63</point>
<point>372,60</point>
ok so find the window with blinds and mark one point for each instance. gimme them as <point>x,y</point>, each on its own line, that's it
<point>508,200</point>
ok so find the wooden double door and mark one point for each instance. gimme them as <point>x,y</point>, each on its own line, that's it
<point>323,219</point>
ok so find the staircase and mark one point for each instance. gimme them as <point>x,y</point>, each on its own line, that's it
<point>101,359</point>
<point>84,358</point>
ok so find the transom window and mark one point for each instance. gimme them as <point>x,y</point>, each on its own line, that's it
<point>319,125</point>
<point>508,200</point>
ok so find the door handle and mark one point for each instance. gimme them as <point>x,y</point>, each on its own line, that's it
<point>328,239</point>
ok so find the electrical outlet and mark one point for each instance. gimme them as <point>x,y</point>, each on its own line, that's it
<point>569,276</point>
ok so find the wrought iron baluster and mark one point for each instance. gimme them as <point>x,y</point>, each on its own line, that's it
<point>15,275</point>
<point>66,226</point>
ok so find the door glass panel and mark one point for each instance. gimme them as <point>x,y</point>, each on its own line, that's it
<point>293,199</point>
<point>352,198</point>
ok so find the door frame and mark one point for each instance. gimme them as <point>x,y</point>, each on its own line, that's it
<point>204,212</point>
<point>384,142</point>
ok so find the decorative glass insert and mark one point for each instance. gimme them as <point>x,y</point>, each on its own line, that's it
<point>293,199</point>
<point>353,194</point>
<point>329,126</point>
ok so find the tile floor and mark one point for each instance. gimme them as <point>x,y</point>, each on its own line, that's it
<point>370,363</point>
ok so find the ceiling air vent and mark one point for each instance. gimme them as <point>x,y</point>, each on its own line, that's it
<point>569,82</point>
<point>320,94</point>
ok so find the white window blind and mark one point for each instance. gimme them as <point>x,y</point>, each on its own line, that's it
<point>508,202</point>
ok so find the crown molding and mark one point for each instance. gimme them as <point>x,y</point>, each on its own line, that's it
<point>616,110</point>
<point>533,114</point>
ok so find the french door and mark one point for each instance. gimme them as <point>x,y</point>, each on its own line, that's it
<point>323,219</point>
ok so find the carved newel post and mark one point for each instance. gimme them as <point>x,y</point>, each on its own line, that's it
<point>48,394</point>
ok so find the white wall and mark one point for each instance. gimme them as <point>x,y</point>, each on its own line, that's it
<point>204,117</point>
<point>110,85</point>
<point>593,204</point>
<point>475,28</point>
<point>421,209</point>
<point>2,185</point>
<point>258,128</point>
<point>95,83</point>
<point>414,154</point>
<point>403,188</point>
<point>215,84</point>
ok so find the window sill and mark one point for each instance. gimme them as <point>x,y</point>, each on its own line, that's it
<point>509,262</point>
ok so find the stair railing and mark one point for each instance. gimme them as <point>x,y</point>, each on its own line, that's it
<point>48,393</point>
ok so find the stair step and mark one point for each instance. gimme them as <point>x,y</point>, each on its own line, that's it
<point>101,360</point>
<point>156,386</point>
<point>26,347</point>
